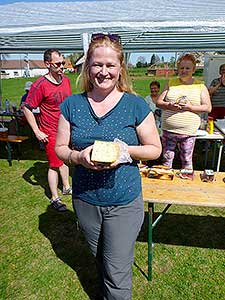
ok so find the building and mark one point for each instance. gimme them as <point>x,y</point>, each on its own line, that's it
<point>22,68</point>
<point>160,72</point>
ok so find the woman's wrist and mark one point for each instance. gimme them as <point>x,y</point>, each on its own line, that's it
<point>73,157</point>
<point>69,158</point>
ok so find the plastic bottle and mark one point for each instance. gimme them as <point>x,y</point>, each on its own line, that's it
<point>7,106</point>
<point>210,125</point>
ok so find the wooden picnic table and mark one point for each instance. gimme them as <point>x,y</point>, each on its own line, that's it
<point>17,140</point>
<point>180,192</point>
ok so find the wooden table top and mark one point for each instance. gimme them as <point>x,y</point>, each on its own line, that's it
<point>185,192</point>
<point>14,138</point>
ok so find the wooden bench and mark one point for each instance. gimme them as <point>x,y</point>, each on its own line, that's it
<point>17,139</point>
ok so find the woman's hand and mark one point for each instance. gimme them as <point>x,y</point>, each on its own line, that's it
<point>173,106</point>
<point>84,158</point>
<point>186,106</point>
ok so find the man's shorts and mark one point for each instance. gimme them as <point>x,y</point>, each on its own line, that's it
<point>53,160</point>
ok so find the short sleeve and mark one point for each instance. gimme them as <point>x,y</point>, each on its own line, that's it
<point>34,96</point>
<point>65,108</point>
<point>142,110</point>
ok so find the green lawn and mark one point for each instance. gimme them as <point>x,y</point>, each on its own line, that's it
<point>13,88</point>
<point>44,255</point>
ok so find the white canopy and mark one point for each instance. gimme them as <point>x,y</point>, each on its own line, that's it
<point>144,25</point>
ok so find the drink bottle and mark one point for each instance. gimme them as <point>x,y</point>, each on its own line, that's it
<point>7,106</point>
<point>210,125</point>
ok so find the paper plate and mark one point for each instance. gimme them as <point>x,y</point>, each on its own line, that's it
<point>201,132</point>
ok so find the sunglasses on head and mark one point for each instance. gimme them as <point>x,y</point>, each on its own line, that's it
<point>58,64</point>
<point>112,37</point>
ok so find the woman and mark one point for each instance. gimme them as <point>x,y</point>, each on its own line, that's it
<point>151,99</point>
<point>217,93</point>
<point>107,199</point>
<point>182,101</point>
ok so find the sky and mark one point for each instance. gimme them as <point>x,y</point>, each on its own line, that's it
<point>134,56</point>
<point>13,1</point>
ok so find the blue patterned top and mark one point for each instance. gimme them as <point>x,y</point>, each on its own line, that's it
<point>122,184</point>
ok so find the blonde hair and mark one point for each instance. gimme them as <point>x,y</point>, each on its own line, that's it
<point>187,57</point>
<point>123,84</point>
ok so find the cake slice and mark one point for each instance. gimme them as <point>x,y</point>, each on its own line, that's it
<point>104,152</point>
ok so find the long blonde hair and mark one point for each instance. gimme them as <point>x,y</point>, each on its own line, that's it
<point>123,84</point>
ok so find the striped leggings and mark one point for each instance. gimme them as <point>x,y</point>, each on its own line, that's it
<point>185,144</point>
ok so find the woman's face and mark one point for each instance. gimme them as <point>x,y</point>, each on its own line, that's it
<point>222,70</point>
<point>186,69</point>
<point>154,89</point>
<point>104,68</point>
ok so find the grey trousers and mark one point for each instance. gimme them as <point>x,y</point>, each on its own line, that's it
<point>111,233</point>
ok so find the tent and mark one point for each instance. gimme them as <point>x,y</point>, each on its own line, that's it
<point>144,25</point>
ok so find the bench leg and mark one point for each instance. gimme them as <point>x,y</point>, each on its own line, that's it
<point>150,221</point>
<point>9,150</point>
<point>18,152</point>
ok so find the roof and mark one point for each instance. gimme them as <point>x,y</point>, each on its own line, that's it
<point>144,26</point>
<point>20,64</point>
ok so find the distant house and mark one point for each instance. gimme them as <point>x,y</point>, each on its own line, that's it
<point>160,72</point>
<point>21,68</point>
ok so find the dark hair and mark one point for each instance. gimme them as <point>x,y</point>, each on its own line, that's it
<point>123,84</point>
<point>221,66</point>
<point>155,83</point>
<point>48,54</point>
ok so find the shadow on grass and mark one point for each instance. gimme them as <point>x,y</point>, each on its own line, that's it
<point>69,245</point>
<point>187,230</point>
<point>37,175</point>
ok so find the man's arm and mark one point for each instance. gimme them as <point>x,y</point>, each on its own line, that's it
<point>41,136</point>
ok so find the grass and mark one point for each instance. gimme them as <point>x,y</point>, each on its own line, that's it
<point>44,255</point>
<point>13,89</point>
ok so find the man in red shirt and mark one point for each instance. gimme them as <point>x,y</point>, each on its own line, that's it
<point>47,93</point>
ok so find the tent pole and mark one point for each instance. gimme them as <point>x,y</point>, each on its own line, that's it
<point>0,81</point>
<point>127,57</point>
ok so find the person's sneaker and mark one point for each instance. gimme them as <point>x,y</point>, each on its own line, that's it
<point>58,205</point>
<point>67,191</point>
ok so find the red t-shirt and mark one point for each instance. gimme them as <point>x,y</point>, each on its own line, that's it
<point>48,96</point>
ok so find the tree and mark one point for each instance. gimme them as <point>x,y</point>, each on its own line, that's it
<point>141,62</point>
<point>157,58</point>
<point>153,60</point>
